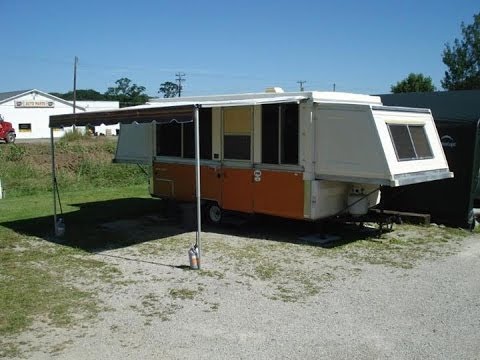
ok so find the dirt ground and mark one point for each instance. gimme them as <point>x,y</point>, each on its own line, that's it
<point>263,293</point>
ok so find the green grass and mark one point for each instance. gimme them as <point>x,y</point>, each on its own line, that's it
<point>74,135</point>
<point>183,293</point>
<point>402,248</point>
<point>38,278</point>
<point>154,307</point>
<point>25,169</point>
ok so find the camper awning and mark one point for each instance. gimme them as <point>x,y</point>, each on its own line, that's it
<point>161,112</point>
<point>125,116</point>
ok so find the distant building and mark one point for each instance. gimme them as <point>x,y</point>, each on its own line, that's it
<point>29,112</point>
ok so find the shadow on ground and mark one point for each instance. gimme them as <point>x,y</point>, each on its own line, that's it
<point>111,224</point>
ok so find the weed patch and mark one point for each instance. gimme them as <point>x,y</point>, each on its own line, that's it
<point>183,294</point>
<point>82,163</point>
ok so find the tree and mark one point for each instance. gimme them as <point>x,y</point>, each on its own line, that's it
<point>127,93</point>
<point>463,59</point>
<point>87,94</point>
<point>414,83</point>
<point>169,89</point>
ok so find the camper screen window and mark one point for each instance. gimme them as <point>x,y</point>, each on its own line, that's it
<point>169,139</point>
<point>410,142</point>
<point>175,139</point>
<point>205,136</point>
<point>237,147</point>
<point>280,126</point>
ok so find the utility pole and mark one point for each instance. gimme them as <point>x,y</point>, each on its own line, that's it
<point>301,82</point>
<point>75,62</point>
<point>179,81</point>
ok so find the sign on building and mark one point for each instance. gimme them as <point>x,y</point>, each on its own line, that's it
<point>34,104</point>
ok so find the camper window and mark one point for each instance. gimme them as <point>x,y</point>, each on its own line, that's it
<point>169,139</point>
<point>410,142</point>
<point>237,132</point>
<point>205,136</point>
<point>280,134</point>
<point>174,139</point>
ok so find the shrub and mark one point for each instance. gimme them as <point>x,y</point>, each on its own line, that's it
<point>74,135</point>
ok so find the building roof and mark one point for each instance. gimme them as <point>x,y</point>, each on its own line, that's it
<point>11,94</point>
<point>445,105</point>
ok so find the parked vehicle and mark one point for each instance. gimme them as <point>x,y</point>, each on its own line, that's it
<point>306,155</point>
<point>7,132</point>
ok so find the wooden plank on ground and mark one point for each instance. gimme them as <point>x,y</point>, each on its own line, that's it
<point>410,217</point>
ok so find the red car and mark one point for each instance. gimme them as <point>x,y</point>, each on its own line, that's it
<point>7,132</point>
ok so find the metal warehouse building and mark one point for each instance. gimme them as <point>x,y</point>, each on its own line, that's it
<point>457,118</point>
<point>29,112</point>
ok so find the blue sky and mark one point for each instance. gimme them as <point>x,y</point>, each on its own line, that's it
<point>226,46</point>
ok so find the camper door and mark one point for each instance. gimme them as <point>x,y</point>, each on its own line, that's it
<point>135,144</point>
<point>237,168</point>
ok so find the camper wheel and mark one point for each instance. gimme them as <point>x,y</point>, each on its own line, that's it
<point>214,213</point>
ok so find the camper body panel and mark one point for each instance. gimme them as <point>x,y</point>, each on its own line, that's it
<point>279,193</point>
<point>135,146</point>
<point>385,118</point>
<point>347,143</point>
<point>233,188</point>
<point>372,145</point>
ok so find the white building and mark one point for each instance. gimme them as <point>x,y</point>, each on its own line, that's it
<point>29,112</point>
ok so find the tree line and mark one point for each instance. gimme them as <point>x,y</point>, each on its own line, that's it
<point>462,60</point>
<point>126,92</point>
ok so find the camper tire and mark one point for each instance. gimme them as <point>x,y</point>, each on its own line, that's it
<point>214,213</point>
<point>10,138</point>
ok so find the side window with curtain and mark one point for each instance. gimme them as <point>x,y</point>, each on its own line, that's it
<point>178,140</point>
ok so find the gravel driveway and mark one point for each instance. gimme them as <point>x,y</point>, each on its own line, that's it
<point>413,294</point>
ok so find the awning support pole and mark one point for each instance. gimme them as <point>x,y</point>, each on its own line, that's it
<point>197,181</point>
<point>54,183</point>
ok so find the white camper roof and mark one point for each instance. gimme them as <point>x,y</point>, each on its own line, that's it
<point>265,98</point>
<point>181,109</point>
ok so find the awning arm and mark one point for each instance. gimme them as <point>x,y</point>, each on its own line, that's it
<point>196,119</point>
<point>54,182</point>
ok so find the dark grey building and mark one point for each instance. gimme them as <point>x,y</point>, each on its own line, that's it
<point>457,117</point>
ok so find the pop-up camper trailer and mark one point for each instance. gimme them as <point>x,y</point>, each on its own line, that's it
<point>305,155</point>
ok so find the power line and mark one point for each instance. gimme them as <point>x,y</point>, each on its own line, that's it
<point>301,82</point>
<point>179,80</point>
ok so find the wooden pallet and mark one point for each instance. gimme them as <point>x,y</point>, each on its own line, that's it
<point>409,217</point>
